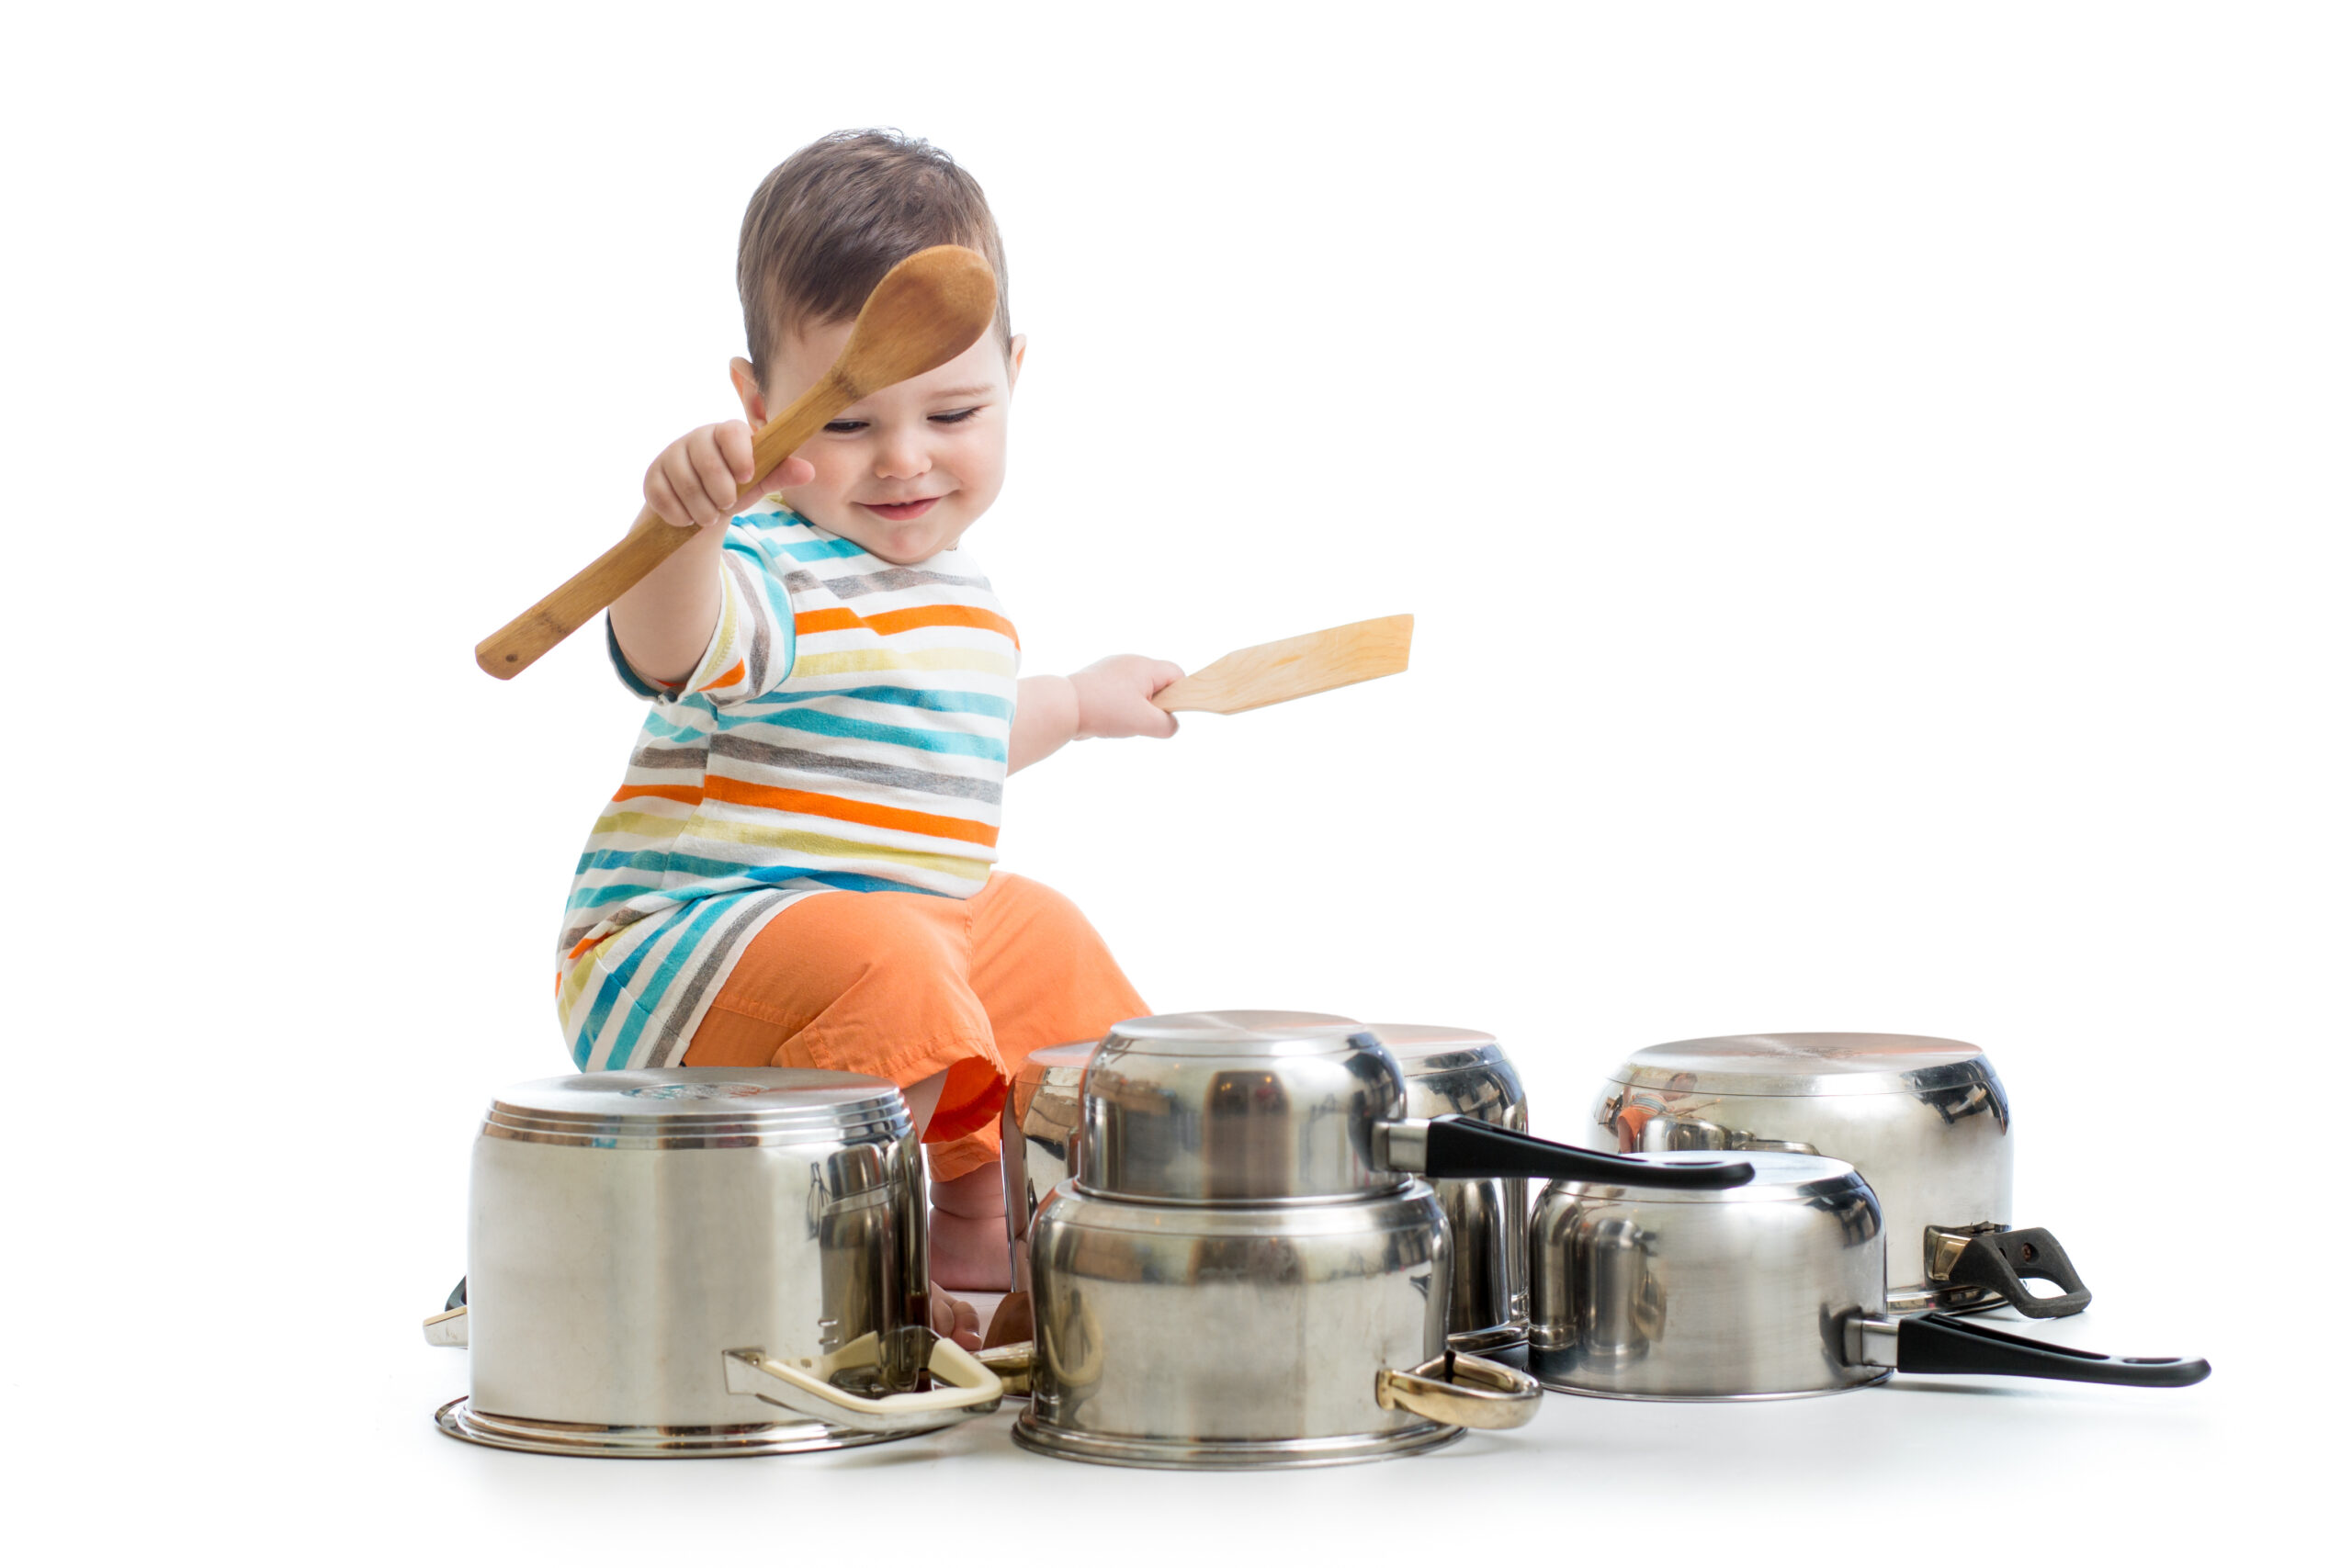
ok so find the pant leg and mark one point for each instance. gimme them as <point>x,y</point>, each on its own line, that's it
<point>1045,977</point>
<point>874,983</point>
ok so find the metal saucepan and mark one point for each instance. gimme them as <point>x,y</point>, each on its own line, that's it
<point>1243,1269</point>
<point>1925,1121</point>
<point>701,1261</point>
<point>1768,1291</point>
<point>1447,1071</point>
<point>1461,1072</point>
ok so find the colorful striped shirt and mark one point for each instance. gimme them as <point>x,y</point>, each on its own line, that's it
<point>846,729</point>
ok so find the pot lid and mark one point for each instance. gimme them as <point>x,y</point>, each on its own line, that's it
<point>676,1108</point>
<point>1806,1065</point>
<point>1412,1043</point>
<point>1779,1178</point>
<point>1245,1106</point>
<point>1454,1071</point>
<point>1056,1064</point>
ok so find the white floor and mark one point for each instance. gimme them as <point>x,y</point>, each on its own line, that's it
<point>1925,1469</point>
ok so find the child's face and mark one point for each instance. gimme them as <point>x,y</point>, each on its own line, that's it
<point>904,472</point>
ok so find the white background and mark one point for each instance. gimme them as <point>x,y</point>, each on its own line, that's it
<point>1871,480</point>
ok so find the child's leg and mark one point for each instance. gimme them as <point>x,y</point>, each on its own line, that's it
<point>864,983</point>
<point>1044,978</point>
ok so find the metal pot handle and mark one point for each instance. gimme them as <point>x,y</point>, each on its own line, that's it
<point>1992,1258</point>
<point>973,1391</point>
<point>1456,1390</point>
<point>1456,1148</point>
<point>447,1326</point>
<point>1937,1342</point>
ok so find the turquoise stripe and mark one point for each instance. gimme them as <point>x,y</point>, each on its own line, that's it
<point>717,874</point>
<point>930,701</point>
<point>617,979</point>
<point>661,728</point>
<point>815,549</point>
<point>940,741</point>
<point>681,952</point>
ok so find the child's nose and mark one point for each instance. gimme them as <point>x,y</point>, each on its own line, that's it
<point>903,456</point>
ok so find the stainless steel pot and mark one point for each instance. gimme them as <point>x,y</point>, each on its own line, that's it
<point>701,1261</point>
<point>1040,1126</point>
<point>1244,1272</point>
<point>1461,1072</point>
<point>1926,1120</point>
<point>1773,1290</point>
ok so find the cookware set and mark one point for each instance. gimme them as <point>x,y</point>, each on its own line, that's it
<point>1246,1240</point>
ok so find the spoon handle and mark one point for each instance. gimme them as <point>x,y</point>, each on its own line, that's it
<point>650,540</point>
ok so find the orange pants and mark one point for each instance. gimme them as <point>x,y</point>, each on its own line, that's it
<point>906,985</point>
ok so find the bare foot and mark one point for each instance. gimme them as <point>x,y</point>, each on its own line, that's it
<point>968,1238</point>
<point>952,1317</point>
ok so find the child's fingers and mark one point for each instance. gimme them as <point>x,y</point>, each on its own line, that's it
<point>734,442</point>
<point>713,469</point>
<point>695,507</point>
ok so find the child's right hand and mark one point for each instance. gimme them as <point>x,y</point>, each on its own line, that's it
<point>695,481</point>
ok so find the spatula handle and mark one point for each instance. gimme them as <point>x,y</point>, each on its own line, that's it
<point>649,541</point>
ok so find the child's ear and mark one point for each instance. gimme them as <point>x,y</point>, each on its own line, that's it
<point>1013,357</point>
<point>747,387</point>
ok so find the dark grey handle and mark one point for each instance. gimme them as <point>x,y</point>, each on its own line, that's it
<point>1464,1150</point>
<point>2001,1262</point>
<point>1937,1342</point>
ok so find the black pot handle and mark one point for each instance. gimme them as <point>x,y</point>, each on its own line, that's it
<point>1459,1149</point>
<point>458,1296</point>
<point>2001,1262</point>
<point>1937,1342</point>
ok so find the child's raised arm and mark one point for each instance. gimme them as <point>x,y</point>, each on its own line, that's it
<point>664,622</point>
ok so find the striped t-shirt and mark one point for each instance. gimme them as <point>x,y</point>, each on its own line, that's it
<point>847,728</point>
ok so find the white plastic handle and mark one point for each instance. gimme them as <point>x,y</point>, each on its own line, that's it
<point>973,1391</point>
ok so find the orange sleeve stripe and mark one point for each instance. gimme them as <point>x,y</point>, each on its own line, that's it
<point>736,792</point>
<point>684,795</point>
<point>887,623</point>
<point>728,678</point>
<point>833,618</point>
<point>890,621</point>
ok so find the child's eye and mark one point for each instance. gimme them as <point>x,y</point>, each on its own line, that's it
<point>956,417</point>
<point>845,426</point>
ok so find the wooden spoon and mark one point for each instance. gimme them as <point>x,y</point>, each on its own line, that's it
<point>1294,667</point>
<point>926,310</point>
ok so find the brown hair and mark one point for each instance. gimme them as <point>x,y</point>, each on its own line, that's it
<point>830,220</point>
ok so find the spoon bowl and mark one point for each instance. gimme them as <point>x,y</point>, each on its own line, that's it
<point>926,310</point>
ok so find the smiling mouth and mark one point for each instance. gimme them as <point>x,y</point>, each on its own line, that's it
<point>901,510</point>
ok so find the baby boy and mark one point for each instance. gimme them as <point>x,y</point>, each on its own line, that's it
<point>797,868</point>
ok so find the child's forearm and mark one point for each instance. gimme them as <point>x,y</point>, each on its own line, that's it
<point>663,623</point>
<point>1110,696</point>
<point>1043,722</point>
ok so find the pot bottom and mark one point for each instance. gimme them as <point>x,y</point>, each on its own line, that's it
<point>1712,1398</point>
<point>459,1420</point>
<point>1209,1453</point>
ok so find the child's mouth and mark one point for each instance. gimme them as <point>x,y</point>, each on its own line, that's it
<point>901,510</point>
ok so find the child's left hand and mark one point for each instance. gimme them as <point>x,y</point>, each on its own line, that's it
<point>1114,697</point>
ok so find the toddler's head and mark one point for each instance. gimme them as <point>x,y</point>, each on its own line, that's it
<point>904,472</point>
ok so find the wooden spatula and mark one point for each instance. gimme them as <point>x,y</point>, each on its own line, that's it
<point>926,310</point>
<point>1294,667</point>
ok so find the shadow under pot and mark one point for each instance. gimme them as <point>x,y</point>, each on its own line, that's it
<point>1245,1270</point>
<point>1770,1291</point>
<point>1925,1121</point>
<point>701,1261</point>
